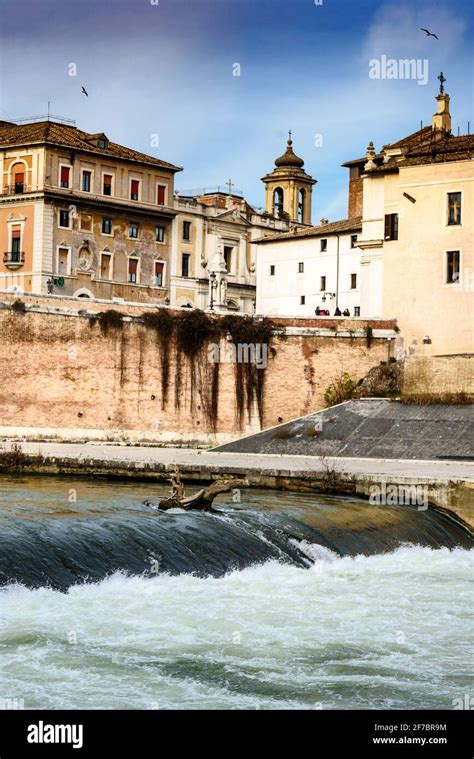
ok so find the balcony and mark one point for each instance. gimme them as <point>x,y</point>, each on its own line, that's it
<point>13,259</point>
<point>19,188</point>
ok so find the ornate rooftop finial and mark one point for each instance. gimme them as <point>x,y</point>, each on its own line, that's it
<point>290,140</point>
<point>370,157</point>
<point>442,80</point>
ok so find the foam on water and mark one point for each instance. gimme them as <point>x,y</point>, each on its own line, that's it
<point>382,631</point>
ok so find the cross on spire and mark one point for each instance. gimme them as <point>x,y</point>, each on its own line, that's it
<point>442,80</point>
<point>289,135</point>
<point>230,184</point>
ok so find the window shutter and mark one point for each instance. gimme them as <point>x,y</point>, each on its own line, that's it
<point>395,226</point>
<point>159,268</point>
<point>20,178</point>
<point>65,174</point>
<point>161,194</point>
<point>132,265</point>
<point>387,227</point>
<point>16,233</point>
<point>135,185</point>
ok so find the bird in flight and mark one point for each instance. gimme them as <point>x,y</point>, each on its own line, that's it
<point>84,91</point>
<point>428,33</point>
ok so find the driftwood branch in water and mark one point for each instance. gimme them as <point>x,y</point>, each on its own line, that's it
<point>202,500</point>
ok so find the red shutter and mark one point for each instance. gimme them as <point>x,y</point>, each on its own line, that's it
<point>132,265</point>
<point>161,194</point>
<point>16,233</point>
<point>135,185</point>
<point>20,178</point>
<point>159,268</point>
<point>65,174</point>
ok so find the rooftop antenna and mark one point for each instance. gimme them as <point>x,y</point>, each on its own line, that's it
<point>49,108</point>
<point>458,131</point>
<point>469,127</point>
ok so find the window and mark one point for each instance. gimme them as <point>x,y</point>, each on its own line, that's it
<point>356,310</point>
<point>185,265</point>
<point>18,173</point>
<point>16,245</point>
<point>86,181</point>
<point>187,230</point>
<point>105,261</point>
<point>272,270</point>
<point>160,234</point>
<point>278,203</point>
<point>63,261</point>
<point>161,194</point>
<point>65,173</point>
<point>64,218</point>
<point>86,222</point>
<point>301,205</point>
<point>452,271</point>
<point>134,189</point>
<point>324,245</point>
<point>353,241</point>
<point>106,226</point>
<point>102,144</point>
<point>302,300</point>
<point>133,231</point>
<point>353,281</point>
<point>228,257</point>
<point>301,267</point>
<point>323,284</point>
<point>132,269</point>
<point>391,226</point>
<point>159,268</point>
<point>107,184</point>
<point>454,208</point>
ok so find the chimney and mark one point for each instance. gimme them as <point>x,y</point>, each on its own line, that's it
<point>442,118</point>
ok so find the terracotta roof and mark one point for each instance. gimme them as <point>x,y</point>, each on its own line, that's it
<point>413,138</point>
<point>421,148</point>
<point>51,133</point>
<point>322,230</point>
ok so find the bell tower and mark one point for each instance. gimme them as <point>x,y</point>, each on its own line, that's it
<point>289,188</point>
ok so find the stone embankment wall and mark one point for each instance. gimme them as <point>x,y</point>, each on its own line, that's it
<point>67,376</point>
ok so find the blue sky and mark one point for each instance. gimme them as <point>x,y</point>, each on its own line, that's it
<point>167,69</point>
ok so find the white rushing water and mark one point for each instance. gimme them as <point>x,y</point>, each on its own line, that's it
<point>387,631</point>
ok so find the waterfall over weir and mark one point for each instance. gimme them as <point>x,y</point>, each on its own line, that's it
<point>51,542</point>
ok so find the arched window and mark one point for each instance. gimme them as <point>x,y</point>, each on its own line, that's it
<point>301,205</point>
<point>18,177</point>
<point>278,198</point>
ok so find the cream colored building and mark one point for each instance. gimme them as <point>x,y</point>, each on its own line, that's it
<point>417,237</point>
<point>207,225</point>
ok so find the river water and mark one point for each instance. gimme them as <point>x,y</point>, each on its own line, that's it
<point>280,601</point>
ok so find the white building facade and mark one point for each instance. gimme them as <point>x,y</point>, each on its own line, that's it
<point>307,269</point>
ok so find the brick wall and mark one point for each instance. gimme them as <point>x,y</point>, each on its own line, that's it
<point>60,373</point>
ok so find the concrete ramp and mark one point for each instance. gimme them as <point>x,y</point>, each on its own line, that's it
<point>370,428</point>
